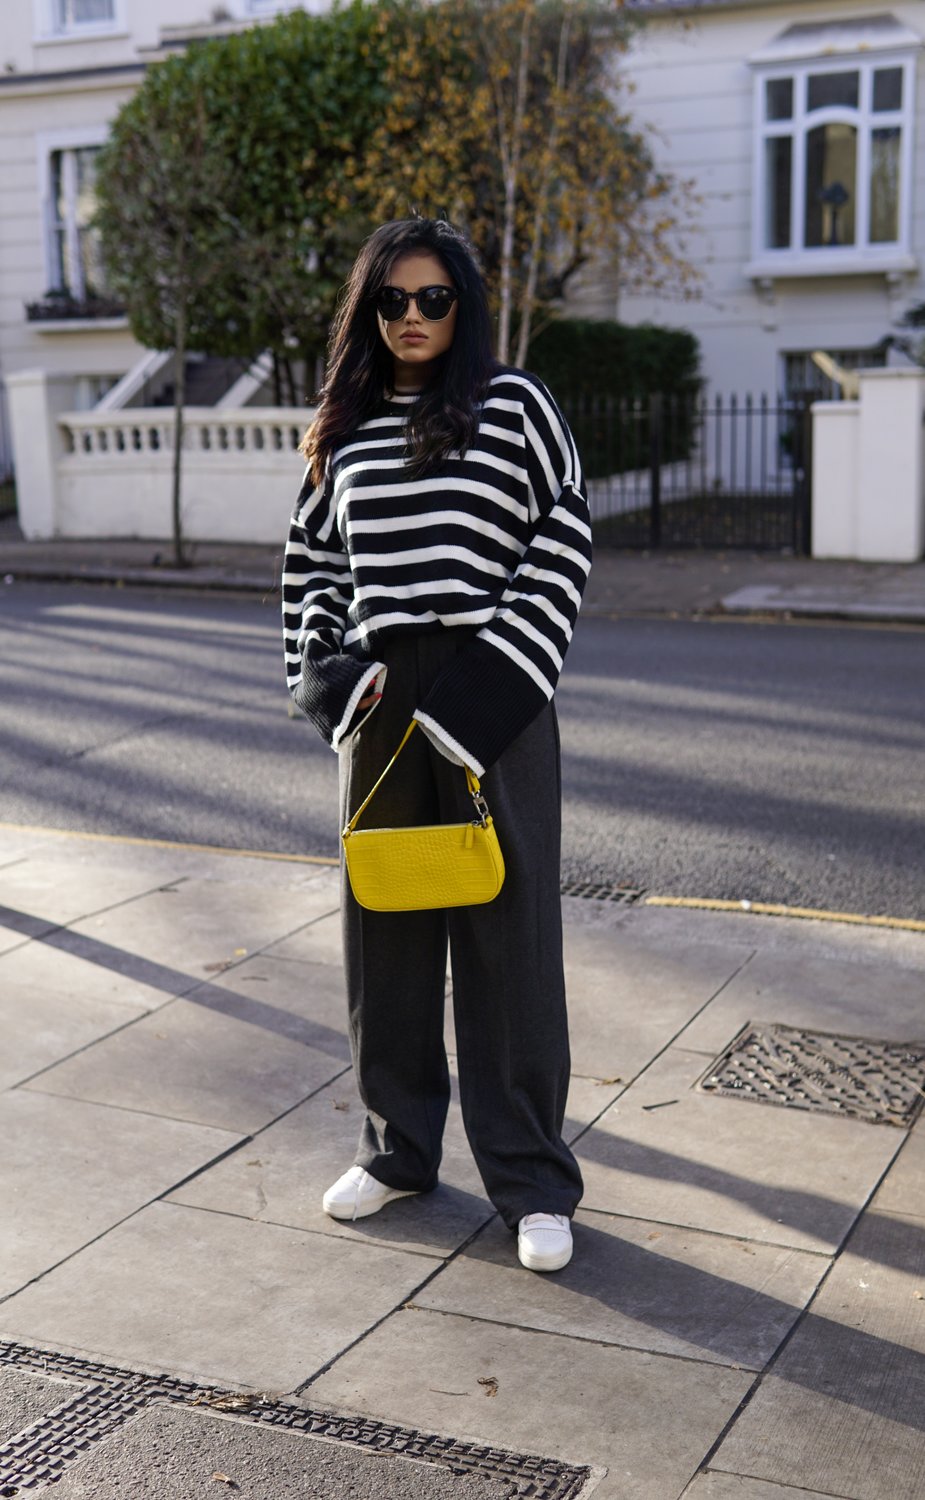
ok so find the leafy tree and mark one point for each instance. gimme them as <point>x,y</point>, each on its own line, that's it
<point>511,115</point>
<point>167,242</point>
<point>225,193</point>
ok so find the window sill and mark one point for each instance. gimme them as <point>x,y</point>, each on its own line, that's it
<point>828,263</point>
<point>85,34</point>
<point>77,325</point>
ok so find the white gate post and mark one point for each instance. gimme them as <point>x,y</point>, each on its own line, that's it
<point>836,428</point>
<point>36,400</point>
<point>891,466</point>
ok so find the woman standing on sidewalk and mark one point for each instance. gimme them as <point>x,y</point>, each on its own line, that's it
<point>435,564</point>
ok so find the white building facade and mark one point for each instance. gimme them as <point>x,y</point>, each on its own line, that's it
<point>802,129</point>
<point>66,66</point>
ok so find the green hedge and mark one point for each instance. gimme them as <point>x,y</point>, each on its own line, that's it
<point>581,357</point>
<point>601,374</point>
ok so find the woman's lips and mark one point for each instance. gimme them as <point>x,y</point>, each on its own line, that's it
<point>414,338</point>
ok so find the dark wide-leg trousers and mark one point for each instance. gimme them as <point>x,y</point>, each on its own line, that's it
<point>508,985</point>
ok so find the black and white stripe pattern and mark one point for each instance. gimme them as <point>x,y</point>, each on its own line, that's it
<point>498,541</point>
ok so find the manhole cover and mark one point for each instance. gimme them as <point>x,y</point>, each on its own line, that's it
<point>103,1399</point>
<point>589,890</point>
<point>880,1082</point>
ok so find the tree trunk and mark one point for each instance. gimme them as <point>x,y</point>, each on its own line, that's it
<point>542,199</point>
<point>179,397</point>
<point>511,176</point>
<point>290,380</point>
<point>277,381</point>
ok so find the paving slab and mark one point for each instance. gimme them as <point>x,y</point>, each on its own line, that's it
<point>199,925</point>
<point>43,1019</point>
<point>812,938</point>
<point>280,1176</point>
<point>903,1190</point>
<point>48,963</point>
<point>640,1285</point>
<point>628,998</point>
<point>843,1409</point>
<point>10,939</point>
<point>24,1397</point>
<point>873,1000</point>
<point>170,1454</point>
<point>650,1420</point>
<point>304,1001</point>
<point>60,891</point>
<point>785,1176</point>
<point>885,600</point>
<point>168,861</point>
<point>16,843</point>
<point>712,1486</point>
<point>76,1169</point>
<point>319,943</point>
<point>189,1061</point>
<point>214,1297</point>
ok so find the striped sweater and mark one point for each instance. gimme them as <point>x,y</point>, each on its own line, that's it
<point>496,541</point>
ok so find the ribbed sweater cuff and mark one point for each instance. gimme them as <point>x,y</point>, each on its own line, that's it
<point>329,691</point>
<point>482,701</point>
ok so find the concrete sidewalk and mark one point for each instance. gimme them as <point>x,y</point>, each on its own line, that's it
<point>745,1312</point>
<point>629,583</point>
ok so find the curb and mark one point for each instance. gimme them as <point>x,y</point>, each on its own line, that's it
<point>191,578</point>
<point>216,580</point>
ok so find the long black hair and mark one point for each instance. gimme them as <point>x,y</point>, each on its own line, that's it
<point>360,370</point>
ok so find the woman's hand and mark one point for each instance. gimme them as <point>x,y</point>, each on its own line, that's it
<point>370,700</point>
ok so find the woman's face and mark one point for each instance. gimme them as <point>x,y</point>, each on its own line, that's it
<point>414,342</point>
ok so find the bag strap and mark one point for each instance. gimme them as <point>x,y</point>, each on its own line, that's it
<point>472,782</point>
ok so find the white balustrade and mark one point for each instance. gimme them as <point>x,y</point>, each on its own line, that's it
<point>240,475</point>
<point>141,431</point>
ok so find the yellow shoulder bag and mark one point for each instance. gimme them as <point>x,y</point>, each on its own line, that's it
<point>414,869</point>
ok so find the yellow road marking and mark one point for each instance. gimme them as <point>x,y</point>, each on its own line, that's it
<point>123,838</point>
<point>771,909</point>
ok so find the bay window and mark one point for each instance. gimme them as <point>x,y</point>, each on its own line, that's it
<point>833,160</point>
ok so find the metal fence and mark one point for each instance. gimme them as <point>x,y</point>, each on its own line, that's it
<point>684,471</point>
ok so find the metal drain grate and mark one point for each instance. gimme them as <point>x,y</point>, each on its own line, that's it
<point>880,1082</point>
<point>590,891</point>
<point>107,1397</point>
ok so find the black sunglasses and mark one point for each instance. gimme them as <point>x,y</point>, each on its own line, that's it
<point>433,302</point>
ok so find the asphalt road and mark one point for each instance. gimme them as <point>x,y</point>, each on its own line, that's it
<point>712,759</point>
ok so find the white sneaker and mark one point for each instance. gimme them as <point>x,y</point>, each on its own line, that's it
<point>544,1242</point>
<point>356,1195</point>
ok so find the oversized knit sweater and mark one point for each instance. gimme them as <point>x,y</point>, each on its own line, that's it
<point>497,541</point>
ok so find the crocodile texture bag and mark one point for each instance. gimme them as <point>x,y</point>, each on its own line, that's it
<point>415,869</point>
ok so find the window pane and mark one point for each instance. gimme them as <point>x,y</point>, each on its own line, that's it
<point>69,13</point>
<point>831,163</point>
<point>778,177</point>
<point>884,186</point>
<point>826,89</point>
<point>888,89</point>
<point>779,99</point>
<point>91,259</point>
<point>86,182</point>
<point>58,269</point>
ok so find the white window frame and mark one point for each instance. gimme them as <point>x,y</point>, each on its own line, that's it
<point>48,142</point>
<point>269,7</point>
<point>863,256</point>
<point>50,29</point>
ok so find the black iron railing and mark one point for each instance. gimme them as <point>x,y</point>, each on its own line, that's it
<point>669,471</point>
